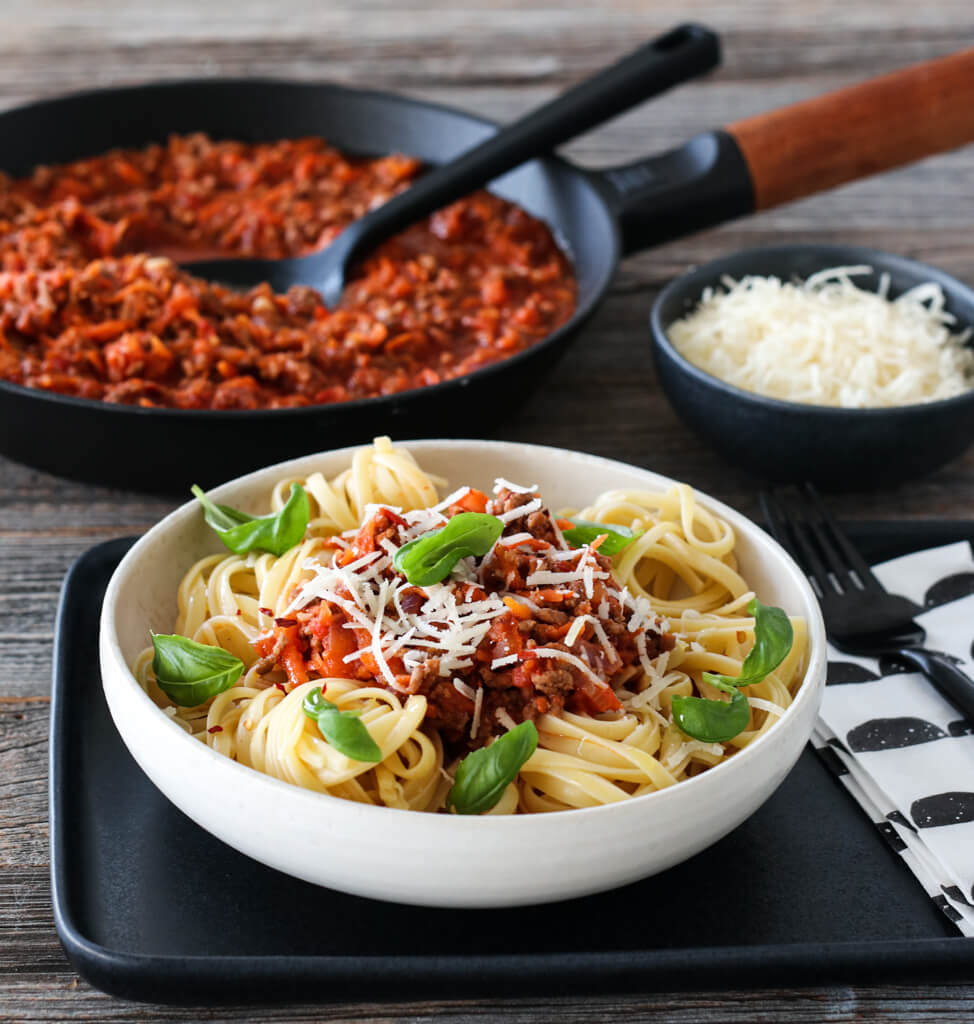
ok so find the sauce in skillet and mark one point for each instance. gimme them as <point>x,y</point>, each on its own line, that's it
<point>92,304</point>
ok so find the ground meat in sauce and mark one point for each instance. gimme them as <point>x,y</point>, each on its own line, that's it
<point>85,311</point>
<point>524,690</point>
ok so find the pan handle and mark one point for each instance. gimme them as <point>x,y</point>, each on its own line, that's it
<point>786,154</point>
<point>820,143</point>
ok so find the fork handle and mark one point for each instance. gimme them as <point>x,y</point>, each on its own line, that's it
<point>955,684</point>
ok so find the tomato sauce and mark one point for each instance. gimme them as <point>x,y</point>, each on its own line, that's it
<point>92,304</point>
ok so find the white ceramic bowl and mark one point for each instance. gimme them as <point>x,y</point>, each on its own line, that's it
<point>442,860</point>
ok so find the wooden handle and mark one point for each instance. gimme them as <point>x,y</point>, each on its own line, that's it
<point>820,143</point>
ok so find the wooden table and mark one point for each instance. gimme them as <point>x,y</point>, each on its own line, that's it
<point>498,60</point>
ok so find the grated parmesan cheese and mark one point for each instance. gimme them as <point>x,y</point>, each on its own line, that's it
<point>542,577</point>
<point>514,540</point>
<point>461,687</point>
<point>450,499</point>
<point>505,719</point>
<point>547,652</point>
<point>478,710</point>
<point>520,511</point>
<point>443,628</point>
<point>500,484</point>
<point>508,659</point>
<point>576,629</point>
<point>766,705</point>
<point>827,342</point>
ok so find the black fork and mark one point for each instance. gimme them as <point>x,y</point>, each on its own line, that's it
<point>861,616</point>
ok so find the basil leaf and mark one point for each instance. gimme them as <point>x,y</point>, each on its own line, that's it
<point>430,558</point>
<point>584,532</point>
<point>189,673</point>
<point>712,721</point>
<point>275,533</point>
<point>221,517</point>
<point>773,637</point>
<point>344,730</point>
<point>483,775</point>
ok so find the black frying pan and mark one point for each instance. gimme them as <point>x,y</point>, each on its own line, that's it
<point>598,217</point>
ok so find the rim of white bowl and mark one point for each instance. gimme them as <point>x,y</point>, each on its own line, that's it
<point>244,775</point>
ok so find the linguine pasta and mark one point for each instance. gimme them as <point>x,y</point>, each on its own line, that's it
<point>680,574</point>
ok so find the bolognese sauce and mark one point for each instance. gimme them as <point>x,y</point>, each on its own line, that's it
<point>93,303</point>
<point>534,627</point>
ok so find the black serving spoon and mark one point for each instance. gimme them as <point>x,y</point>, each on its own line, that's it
<point>656,66</point>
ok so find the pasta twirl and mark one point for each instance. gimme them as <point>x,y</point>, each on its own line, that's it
<point>591,649</point>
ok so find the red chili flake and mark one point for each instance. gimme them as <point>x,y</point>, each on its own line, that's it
<point>215,728</point>
<point>266,611</point>
<point>240,611</point>
<point>281,687</point>
<point>285,622</point>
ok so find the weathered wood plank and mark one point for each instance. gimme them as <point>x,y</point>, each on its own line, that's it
<point>23,794</point>
<point>65,996</point>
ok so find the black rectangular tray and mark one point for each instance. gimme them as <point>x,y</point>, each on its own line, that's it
<point>149,906</point>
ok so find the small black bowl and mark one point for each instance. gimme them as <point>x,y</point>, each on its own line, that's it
<point>838,449</point>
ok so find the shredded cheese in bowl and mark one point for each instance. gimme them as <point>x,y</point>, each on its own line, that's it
<point>827,342</point>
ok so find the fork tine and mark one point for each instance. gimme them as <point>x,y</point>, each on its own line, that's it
<point>840,553</point>
<point>777,522</point>
<point>788,524</point>
<point>858,611</point>
<point>814,566</point>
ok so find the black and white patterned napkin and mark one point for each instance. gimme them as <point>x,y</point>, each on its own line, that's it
<point>899,747</point>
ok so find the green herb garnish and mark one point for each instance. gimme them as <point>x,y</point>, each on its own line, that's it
<point>430,558</point>
<point>715,721</point>
<point>275,533</point>
<point>483,775</point>
<point>189,673</point>
<point>584,532</point>
<point>712,721</point>
<point>344,730</point>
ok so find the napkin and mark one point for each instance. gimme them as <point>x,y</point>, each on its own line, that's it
<point>900,748</point>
